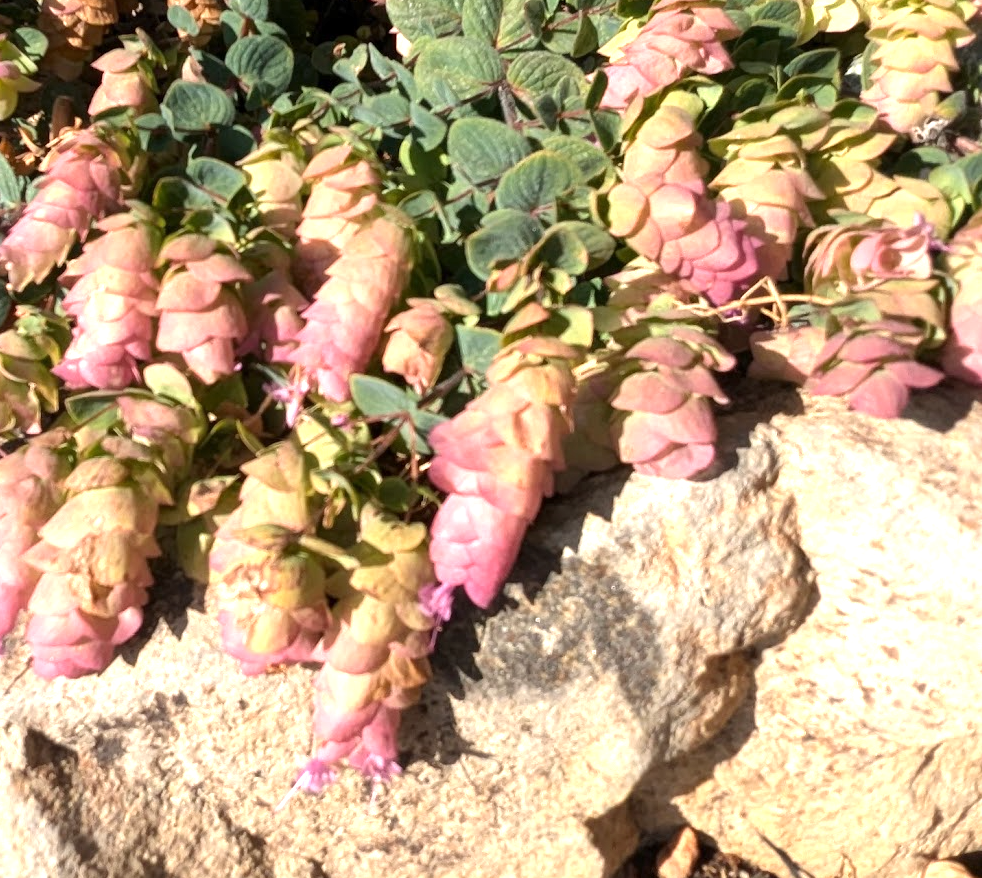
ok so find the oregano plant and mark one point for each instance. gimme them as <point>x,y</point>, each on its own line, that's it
<point>335,296</point>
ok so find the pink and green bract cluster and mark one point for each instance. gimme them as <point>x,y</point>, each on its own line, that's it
<point>913,58</point>
<point>663,423</point>
<point>269,589</point>
<point>92,552</point>
<point>82,182</point>
<point>353,257</point>
<point>681,37</point>
<point>663,211</point>
<point>375,653</point>
<point>113,298</point>
<point>496,460</point>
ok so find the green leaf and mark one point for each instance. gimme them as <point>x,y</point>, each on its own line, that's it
<point>257,10</point>
<point>481,149</point>
<point>574,238</point>
<point>478,346</point>
<point>10,193</point>
<point>818,62</point>
<point>219,179</point>
<point>536,74</point>
<point>589,160</point>
<point>506,235</point>
<point>467,66</point>
<point>380,399</point>
<point>178,194</point>
<point>180,19</point>
<point>481,19</point>
<point>429,128</point>
<point>96,409</point>
<point>425,18</point>
<point>31,42</point>
<point>261,62</point>
<point>196,106</point>
<point>395,494</point>
<point>166,380</point>
<point>386,111</point>
<point>535,182</point>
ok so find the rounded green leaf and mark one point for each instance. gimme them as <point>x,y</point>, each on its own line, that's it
<point>216,177</point>
<point>466,66</point>
<point>196,106</point>
<point>506,235</point>
<point>259,61</point>
<point>535,74</point>
<point>482,149</point>
<point>589,159</point>
<point>537,181</point>
<point>415,19</point>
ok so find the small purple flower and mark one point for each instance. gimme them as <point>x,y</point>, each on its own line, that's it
<point>316,775</point>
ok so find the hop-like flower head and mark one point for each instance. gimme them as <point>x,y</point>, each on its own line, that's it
<point>343,197</point>
<point>93,562</point>
<point>682,37</point>
<point>30,479</point>
<point>375,655</point>
<point>419,340</point>
<point>874,366</point>
<point>82,183</point>
<point>881,263</point>
<point>271,599</point>
<point>914,56</point>
<point>664,385</point>
<point>201,316</point>
<point>113,292</point>
<point>127,78</point>
<point>275,174</point>
<point>496,460</point>
<point>662,211</point>
<point>74,28</point>
<point>345,321</point>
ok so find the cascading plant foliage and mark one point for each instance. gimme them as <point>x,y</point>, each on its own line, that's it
<point>334,307</point>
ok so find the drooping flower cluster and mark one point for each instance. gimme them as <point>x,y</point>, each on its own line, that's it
<point>31,481</point>
<point>662,210</point>
<point>419,339</point>
<point>889,266</point>
<point>375,653</point>
<point>681,37</point>
<point>914,56</point>
<point>874,366</point>
<point>275,177</point>
<point>663,423</point>
<point>270,590</point>
<point>200,312</point>
<point>113,298</point>
<point>497,460</point>
<point>74,28</point>
<point>93,551</point>
<point>82,183</point>
<point>345,321</point>
<point>127,78</point>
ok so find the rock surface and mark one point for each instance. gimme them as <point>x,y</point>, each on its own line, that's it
<point>627,641</point>
<point>863,736</point>
<point>646,616</point>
